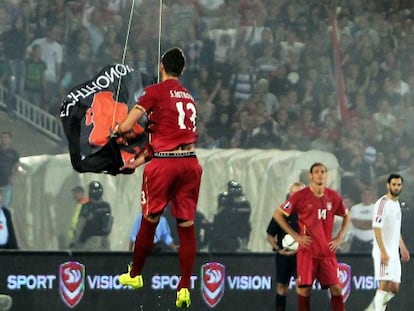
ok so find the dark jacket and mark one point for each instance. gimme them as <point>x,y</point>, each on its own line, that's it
<point>12,241</point>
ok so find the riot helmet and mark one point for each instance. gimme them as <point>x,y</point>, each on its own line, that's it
<point>95,190</point>
<point>234,188</point>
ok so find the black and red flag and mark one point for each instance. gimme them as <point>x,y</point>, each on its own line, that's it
<point>90,112</point>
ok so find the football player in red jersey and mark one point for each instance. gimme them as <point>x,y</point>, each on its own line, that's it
<point>173,174</point>
<point>316,207</point>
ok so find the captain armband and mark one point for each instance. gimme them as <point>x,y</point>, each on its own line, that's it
<point>139,107</point>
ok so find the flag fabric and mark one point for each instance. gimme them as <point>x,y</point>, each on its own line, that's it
<point>338,71</point>
<point>89,113</point>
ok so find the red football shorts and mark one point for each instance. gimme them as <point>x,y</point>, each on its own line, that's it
<point>324,269</point>
<point>176,180</point>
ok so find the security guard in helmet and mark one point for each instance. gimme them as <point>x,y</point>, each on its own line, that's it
<point>231,224</point>
<point>95,221</point>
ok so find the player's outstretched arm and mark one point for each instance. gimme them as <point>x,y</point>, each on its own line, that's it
<point>133,116</point>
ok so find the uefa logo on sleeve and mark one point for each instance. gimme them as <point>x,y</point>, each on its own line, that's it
<point>212,286</point>
<point>71,282</point>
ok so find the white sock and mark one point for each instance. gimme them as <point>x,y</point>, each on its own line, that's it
<point>371,305</point>
<point>380,302</point>
<point>387,298</point>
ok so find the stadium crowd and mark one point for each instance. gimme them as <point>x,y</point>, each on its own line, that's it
<point>262,71</point>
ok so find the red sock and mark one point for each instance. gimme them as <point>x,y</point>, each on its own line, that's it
<point>337,303</point>
<point>186,254</point>
<point>144,243</point>
<point>304,303</point>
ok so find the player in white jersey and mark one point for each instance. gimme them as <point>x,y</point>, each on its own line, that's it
<point>388,244</point>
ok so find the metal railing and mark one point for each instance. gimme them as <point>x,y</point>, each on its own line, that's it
<point>40,119</point>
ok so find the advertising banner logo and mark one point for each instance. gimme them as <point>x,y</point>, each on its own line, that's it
<point>345,277</point>
<point>212,284</point>
<point>71,282</point>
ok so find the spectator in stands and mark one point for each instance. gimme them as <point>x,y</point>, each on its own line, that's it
<point>294,138</point>
<point>162,237</point>
<point>266,39</point>
<point>262,124</point>
<point>224,17</point>
<point>267,63</point>
<point>361,219</point>
<point>364,169</point>
<point>210,81</point>
<point>382,168</point>
<point>383,117</point>
<point>406,199</point>
<point>205,140</point>
<point>193,50</point>
<point>243,130</point>
<point>8,238</point>
<point>106,12</point>
<point>261,93</point>
<point>290,45</point>
<point>308,96</point>
<point>273,18</point>
<point>360,109</point>
<point>205,106</point>
<point>4,68</point>
<point>35,84</point>
<point>400,86</point>
<point>387,92</point>
<point>96,27</point>
<point>105,48</point>
<point>220,125</point>
<point>5,17</point>
<point>224,41</point>
<point>14,43</point>
<point>308,124</point>
<point>322,141</point>
<point>52,55</point>
<point>406,114</point>
<point>143,64</point>
<point>9,163</point>
<point>78,68</point>
<point>404,156</point>
<point>251,10</point>
<point>372,94</point>
<point>183,16</point>
<point>242,81</point>
<point>40,20</point>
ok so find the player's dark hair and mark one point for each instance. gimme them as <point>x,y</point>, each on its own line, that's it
<point>317,164</point>
<point>173,61</point>
<point>394,176</point>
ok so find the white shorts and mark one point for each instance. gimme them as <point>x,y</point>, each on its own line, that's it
<point>390,272</point>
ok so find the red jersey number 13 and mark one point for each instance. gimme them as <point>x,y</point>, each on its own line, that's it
<point>186,111</point>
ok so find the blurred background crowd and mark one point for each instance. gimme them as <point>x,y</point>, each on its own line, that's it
<point>262,71</point>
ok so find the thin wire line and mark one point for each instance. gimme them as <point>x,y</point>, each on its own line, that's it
<point>118,89</point>
<point>159,39</point>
